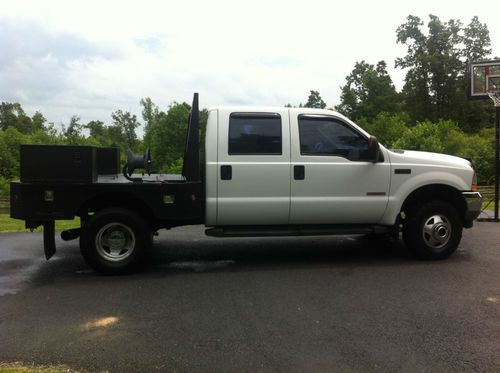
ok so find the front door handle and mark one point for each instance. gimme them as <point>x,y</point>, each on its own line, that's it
<point>226,172</point>
<point>299,172</point>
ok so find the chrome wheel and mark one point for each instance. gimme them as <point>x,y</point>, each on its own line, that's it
<point>115,242</point>
<point>436,231</point>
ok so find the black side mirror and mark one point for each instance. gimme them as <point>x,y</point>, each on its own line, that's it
<point>373,149</point>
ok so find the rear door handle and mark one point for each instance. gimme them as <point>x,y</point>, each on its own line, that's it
<point>226,172</point>
<point>299,172</point>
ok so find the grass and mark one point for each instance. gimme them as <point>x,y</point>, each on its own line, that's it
<point>488,205</point>
<point>488,193</point>
<point>20,368</point>
<point>4,205</point>
<point>13,225</point>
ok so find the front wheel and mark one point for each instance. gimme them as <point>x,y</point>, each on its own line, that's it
<point>114,241</point>
<point>433,231</point>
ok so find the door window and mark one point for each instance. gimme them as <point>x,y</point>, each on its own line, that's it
<point>320,136</point>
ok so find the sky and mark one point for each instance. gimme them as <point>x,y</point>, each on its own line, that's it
<point>90,58</point>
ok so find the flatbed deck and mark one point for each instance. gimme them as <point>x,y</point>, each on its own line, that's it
<point>164,200</point>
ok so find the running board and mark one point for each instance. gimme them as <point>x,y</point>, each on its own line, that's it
<point>294,230</point>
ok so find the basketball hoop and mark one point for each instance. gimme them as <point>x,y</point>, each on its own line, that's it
<point>495,96</point>
<point>493,86</point>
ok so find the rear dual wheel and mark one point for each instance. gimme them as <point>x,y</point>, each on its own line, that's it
<point>115,241</point>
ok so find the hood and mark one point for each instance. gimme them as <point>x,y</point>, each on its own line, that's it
<point>427,158</point>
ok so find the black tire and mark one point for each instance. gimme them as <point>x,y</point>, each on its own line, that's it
<point>432,231</point>
<point>115,241</point>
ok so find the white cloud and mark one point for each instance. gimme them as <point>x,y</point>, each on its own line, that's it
<point>95,57</point>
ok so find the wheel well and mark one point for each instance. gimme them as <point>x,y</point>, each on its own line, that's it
<point>125,201</point>
<point>439,192</point>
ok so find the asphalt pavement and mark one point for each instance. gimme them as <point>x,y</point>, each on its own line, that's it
<point>308,304</point>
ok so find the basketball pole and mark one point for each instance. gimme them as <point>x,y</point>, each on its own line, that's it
<point>484,82</point>
<point>497,162</point>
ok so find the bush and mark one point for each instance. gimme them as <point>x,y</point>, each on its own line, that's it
<point>10,141</point>
<point>446,137</point>
<point>481,148</point>
<point>440,137</point>
<point>4,187</point>
<point>175,167</point>
<point>388,128</point>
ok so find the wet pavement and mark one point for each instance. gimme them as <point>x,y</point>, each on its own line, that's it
<point>271,304</point>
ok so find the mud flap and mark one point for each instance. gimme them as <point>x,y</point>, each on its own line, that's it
<point>49,240</point>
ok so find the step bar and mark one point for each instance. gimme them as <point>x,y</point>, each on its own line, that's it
<point>294,230</point>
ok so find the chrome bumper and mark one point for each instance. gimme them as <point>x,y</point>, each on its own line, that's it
<point>473,206</point>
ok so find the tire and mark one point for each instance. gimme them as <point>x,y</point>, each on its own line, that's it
<point>115,241</point>
<point>433,231</point>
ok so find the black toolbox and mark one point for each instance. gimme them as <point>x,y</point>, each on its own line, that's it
<point>108,161</point>
<point>58,163</point>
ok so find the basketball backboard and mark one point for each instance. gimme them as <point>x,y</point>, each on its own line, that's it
<point>484,77</point>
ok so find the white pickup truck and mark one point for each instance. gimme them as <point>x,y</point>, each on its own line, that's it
<point>267,171</point>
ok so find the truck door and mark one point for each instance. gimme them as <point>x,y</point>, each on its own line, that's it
<point>332,181</point>
<point>253,184</point>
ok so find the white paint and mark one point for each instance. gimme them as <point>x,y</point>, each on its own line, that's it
<point>262,190</point>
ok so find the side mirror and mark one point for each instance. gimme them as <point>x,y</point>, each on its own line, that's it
<point>373,149</point>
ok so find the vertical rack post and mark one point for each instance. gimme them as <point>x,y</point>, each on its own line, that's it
<point>191,166</point>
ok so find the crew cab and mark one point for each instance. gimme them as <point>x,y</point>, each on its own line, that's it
<point>268,171</point>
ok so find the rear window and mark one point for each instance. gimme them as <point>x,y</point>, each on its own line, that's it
<point>254,134</point>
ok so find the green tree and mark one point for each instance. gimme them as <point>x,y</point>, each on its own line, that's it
<point>168,136</point>
<point>476,40</point>
<point>73,132</point>
<point>203,127</point>
<point>96,129</point>
<point>128,124</point>
<point>315,101</point>
<point>150,114</point>
<point>46,136</point>
<point>38,121</point>
<point>368,91</point>
<point>102,135</point>
<point>435,65</point>
<point>150,111</point>
<point>475,115</point>
<point>13,115</point>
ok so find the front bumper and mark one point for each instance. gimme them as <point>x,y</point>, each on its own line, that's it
<point>473,206</point>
